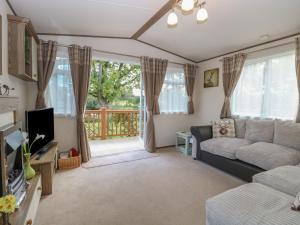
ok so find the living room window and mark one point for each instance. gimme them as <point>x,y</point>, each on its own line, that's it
<point>267,88</point>
<point>59,93</point>
<point>173,97</point>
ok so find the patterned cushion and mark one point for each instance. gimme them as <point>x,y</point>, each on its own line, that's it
<point>223,146</point>
<point>267,155</point>
<point>259,130</point>
<point>240,127</point>
<point>284,178</point>
<point>287,133</point>
<point>253,204</point>
<point>223,128</point>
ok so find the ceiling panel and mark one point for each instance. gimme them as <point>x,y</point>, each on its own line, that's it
<point>232,24</point>
<point>91,17</point>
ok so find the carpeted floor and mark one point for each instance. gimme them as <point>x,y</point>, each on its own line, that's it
<point>167,190</point>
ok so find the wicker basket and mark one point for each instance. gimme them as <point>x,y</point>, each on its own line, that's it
<point>69,163</point>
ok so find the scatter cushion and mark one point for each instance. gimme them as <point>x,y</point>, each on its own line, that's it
<point>223,128</point>
<point>287,133</point>
<point>267,155</point>
<point>240,127</point>
<point>259,130</point>
<point>223,146</point>
<point>296,204</point>
<point>252,203</point>
<point>284,178</point>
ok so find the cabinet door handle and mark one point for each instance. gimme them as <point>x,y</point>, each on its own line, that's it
<point>39,188</point>
<point>29,222</point>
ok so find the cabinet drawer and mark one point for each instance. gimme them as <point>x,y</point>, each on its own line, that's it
<point>34,204</point>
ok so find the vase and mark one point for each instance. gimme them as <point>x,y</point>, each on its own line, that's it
<point>29,171</point>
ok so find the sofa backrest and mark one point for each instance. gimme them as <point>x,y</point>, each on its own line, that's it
<point>259,130</point>
<point>287,133</point>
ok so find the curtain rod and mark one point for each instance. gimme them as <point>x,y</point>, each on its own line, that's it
<point>116,53</point>
<point>263,49</point>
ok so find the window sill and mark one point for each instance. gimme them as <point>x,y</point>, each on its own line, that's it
<point>173,113</point>
<point>64,116</point>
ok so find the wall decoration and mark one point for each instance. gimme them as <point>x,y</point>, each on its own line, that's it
<point>211,78</point>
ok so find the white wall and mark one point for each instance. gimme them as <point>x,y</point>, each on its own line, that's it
<point>165,125</point>
<point>211,99</point>
<point>21,87</point>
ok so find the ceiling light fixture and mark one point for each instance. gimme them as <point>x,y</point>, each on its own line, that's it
<point>172,18</point>
<point>187,6</point>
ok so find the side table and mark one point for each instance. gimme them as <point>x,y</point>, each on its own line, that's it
<point>183,142</point>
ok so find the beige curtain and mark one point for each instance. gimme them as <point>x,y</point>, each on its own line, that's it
<point>46,60</point>
<point>232,68</point>
<point>190,76</point>
<point>298,74</point>
<point>153,75</point>
<point>80,63</point>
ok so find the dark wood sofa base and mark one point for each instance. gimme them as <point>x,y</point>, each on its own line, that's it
<point>237,168</point>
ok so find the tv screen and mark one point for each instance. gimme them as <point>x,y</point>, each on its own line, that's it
<point>40,121</point>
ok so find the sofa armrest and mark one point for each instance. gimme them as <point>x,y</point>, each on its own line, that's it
<point>201,133</point>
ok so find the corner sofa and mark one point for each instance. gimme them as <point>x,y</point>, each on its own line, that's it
<point>259,145</point>
<point>266,201</point>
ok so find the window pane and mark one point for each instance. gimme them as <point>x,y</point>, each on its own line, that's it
<point>59,93</point>
<point>248,95</point>
<point>267,88</point>
<point>173,97</point>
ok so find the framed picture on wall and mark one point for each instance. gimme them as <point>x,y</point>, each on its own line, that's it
<point>211,78</point>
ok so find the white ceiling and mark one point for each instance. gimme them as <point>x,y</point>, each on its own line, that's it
<point>91,17</point>
<point>232,24</point>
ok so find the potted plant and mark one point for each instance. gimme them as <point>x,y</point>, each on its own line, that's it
<point>7,206</point>
<point>29,171</point>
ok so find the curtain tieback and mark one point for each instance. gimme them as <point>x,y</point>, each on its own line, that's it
<point>227,99</point>
<point>156,98</point>
<point>80,118</point>
<point>150,113</point>
<point>190,98</point>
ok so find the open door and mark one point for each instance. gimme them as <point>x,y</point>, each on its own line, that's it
<point>142,112</point>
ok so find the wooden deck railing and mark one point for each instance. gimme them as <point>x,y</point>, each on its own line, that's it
<point>105,123</point>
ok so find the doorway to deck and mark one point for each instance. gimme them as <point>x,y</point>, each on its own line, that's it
<point>115,108</point>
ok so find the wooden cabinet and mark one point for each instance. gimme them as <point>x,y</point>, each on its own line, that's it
<point>46,166</point>
<point>26,213</point>
<point>22,48</point>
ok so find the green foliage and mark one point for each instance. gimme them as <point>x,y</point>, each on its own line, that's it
<point>112,85</point>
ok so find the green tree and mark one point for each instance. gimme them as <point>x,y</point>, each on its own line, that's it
<point>112,85</point>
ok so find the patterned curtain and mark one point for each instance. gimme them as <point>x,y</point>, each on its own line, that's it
<point>190,76</point>
<point>298,74</point>
<point>46,60</point>
<point>232,68</point>
<point>80,63</point>
<point>153,75</point>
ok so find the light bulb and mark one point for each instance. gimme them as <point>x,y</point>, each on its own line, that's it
<point>187,5</point>
<point>172,19</point>
<point>202,15</point>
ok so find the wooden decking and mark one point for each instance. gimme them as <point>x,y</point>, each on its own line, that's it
<point>115,146</point>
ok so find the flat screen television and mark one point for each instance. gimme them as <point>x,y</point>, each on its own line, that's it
<point>40,121</point>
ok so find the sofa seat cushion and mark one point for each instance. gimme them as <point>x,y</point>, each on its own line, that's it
<point>267,155</point>
<point>223,146</point>
<point>284,178</point>
<point>253,204</point>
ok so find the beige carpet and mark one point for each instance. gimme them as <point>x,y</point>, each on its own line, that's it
<point>166,190</point>
<point>124,157</point>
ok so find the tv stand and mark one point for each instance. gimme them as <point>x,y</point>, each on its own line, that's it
<point>42,151</point>
<point>46,164</point>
